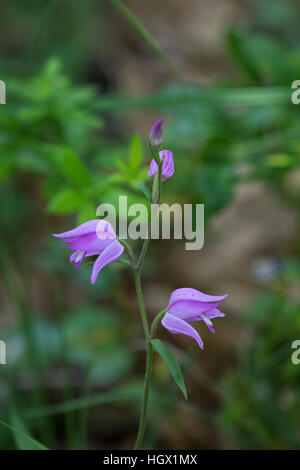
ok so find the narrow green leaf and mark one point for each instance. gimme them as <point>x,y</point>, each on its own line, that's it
<point>73,167</point>
<point>279,160</point>
<point>85,402</point>
<point>124,261</point>
<point>172,364</point>
<point>24,442</point>
<point>65,201</point>
<point>86,212</point>
<point>145,35</point>
<point>135,152</point>
<point>240,50</point>
<point>126,394</point>
<point>145,190</point>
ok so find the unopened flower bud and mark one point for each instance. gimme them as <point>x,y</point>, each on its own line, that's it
<point>156,137</point>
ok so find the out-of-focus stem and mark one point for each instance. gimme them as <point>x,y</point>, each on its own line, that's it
<point>140,298</point>
<point>144,412</point>
<point>156,195</point>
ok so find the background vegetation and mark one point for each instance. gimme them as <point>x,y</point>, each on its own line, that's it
<point>85,82</point>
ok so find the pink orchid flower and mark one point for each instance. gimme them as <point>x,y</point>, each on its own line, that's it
<point>167,166</point>
<point>187,305</point>
<point>95,237</point>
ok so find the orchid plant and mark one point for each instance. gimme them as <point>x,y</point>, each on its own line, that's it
<point>186,305</point>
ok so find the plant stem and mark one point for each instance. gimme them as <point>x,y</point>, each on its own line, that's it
<point>129,251</point>
<point>147,382</point>
<point>140,298</point>
<point>144,412</point>
<point>157,201</point>
<point>156,194</point>
<point>143,252</point>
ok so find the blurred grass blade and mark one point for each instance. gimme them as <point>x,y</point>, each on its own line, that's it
<point>85,402</point>
<point>23,441</point>
<point>136,152</point>
<point>241,53</point>
<point>116,396</point>
<point>237,97</point>
<point>171,363</point>
<point>145,35</point>
<point>146,191</point>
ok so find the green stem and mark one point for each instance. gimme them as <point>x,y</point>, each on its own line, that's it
<point>147,382</point>
<point>143,252</point>
<point>129,251</point>
<point>144,411</point>
<point>157,201</point>
<point>139,294</point>
<point>156,195</point>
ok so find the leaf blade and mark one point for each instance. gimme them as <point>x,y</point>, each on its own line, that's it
<point>37,445</point>
<point>145,35</point>
<point>145,190</point>
<point>72,167</point>
<point>171,363</point>
<point>136,152</point>
<point>66,201</point>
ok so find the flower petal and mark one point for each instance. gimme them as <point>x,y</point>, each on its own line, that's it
<point>178,326</point>
<point>78,263</point>
<point>110,254</point>
<point>77,256</point>
<point>187,293</point>
<point>90,242</point>
<point>215,313</point>
<point>168,164</point>
<point>207,322</point>
<point>156,137</point>
<point>90,227</point>
<point>82,229</point>
<point>190,310</point>
<point>104,229</point>
<point>167,167</point>
<point>74,256</point>
<point>153,168</point>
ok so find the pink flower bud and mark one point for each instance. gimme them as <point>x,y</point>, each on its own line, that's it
<point>156,137</point>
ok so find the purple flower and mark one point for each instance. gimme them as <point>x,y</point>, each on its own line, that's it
<point>187,305</point>
<point>156,137</point>
<point>95,237</point>
<point>167,166</point>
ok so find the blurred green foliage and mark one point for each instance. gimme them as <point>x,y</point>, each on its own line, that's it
<point>56,160</point>
<point>47,126</point>
<point>260,408</point>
